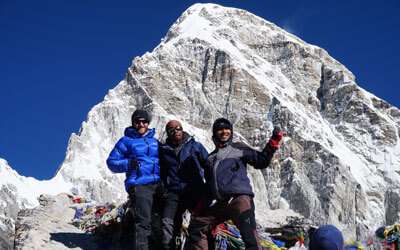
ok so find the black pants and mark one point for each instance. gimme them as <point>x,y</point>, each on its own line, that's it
<point>240,210</point>
<point>174,207</point>
<point>142,199</point>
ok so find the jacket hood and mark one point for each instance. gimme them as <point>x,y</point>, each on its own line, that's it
<point>132,133</point>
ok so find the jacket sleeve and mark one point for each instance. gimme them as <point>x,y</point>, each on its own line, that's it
<point>163,164</point>
<point>257,159</point>
<point>202,156</point>
<point>118,161</point>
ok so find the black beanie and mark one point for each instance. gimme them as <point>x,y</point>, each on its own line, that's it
<point>221,123</point>
<point>139,113</point>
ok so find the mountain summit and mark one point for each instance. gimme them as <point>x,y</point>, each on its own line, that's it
<point>339,162</point>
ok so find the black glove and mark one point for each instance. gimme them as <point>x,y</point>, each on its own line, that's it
<point>133,165</point>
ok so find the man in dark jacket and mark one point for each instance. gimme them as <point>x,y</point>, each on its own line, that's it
<point>230,188</point>
<point>136,155</point>
<point>182,160</point>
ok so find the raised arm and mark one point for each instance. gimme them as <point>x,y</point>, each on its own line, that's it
<point>202,156</point>
<point>262,159</point>
<point>163,164</point>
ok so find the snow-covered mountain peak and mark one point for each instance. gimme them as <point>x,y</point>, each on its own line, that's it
<point>215,23</point>
<point>339,162</point>
<point>204,19</point>
<point>4,166</point>
<point>27,189</point>
<point>218,61</point>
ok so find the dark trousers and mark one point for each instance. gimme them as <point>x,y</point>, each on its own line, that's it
<point>240,209</point>
<point>141,204</point>
<point>174,207</point>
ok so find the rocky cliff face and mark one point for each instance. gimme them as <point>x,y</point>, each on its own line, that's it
<point>8,212</point>
<point>19,192</point>
<point>340,160</point>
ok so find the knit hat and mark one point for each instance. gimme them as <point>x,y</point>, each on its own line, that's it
<point>326,237</point>
<point>140,114</point>
<point>221,123</point>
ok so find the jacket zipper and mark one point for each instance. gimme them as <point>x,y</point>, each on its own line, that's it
<point>215,166</point>
<point>148,146</point>
<point>154,170</point>
<point>154,164</point>
<point>216,163</point>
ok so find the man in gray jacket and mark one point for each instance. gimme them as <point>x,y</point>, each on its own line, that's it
<point>229,186</point>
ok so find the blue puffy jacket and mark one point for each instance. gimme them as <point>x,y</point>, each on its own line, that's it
<point>141,149</point>
<point>183,168</point>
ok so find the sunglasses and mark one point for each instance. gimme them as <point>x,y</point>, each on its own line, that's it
<point>172,131</point>
<point>141,121</point>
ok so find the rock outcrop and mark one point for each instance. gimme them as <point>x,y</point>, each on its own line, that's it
<point>49,226</point>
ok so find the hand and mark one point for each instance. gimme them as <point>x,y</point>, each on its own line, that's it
<point>277,133</point>
<point>276,137</point>
<point>133,165</point>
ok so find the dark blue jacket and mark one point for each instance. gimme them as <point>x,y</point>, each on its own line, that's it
<point>182,168</point>
<point>226,171</point>
<point>140,149</point>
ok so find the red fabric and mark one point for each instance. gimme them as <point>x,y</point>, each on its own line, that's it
<point>77,200</point>
<point>275,139</point>
<point>198,208</point>
<point>100,211</point>
<point>217,229</point>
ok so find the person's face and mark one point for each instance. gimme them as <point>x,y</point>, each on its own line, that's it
<point>141,125</point>
<point>174,131</point>
<point>224,134</point>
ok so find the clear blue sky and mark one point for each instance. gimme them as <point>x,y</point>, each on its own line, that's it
<point>58,58</point>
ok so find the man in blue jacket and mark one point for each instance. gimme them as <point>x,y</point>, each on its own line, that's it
<point>136,155</point>
<point>182,160</point>
<point>229,185</point>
